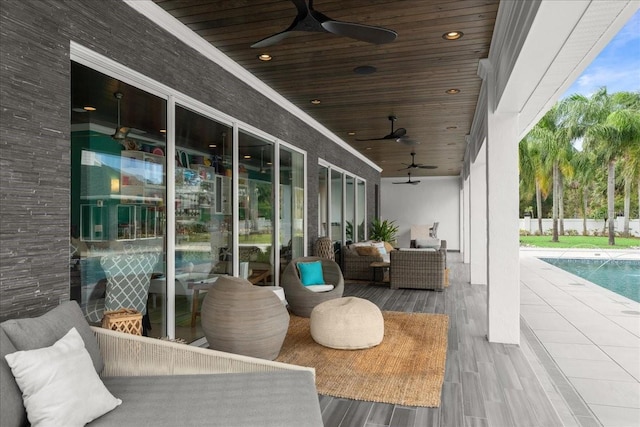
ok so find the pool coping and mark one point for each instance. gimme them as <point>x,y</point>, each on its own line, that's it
<point>555,302</point>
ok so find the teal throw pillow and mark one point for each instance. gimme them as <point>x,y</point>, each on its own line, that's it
<point>311,273</point>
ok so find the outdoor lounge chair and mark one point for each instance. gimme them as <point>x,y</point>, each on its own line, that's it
<point>301,299</point>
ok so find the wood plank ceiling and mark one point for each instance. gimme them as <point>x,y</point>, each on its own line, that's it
<point>412,74</point>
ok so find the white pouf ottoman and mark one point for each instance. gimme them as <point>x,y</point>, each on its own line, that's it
<point>347,323</point>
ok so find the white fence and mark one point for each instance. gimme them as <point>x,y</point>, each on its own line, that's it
<point>593,225</point>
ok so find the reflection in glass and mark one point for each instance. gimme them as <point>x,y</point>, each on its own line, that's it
<point>336,206</point>
<point>323,201</point>
<point>255,203</point>
<point>361,194</point>
<point>350,208</point>
<point>118,194</point>
<point>291,206</point>
<point>203,214</point>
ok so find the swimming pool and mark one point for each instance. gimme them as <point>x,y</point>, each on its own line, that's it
<point>619,276</point>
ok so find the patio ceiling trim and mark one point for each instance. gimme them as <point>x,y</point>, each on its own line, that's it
<point>559,40</point>
<point>164,20</point>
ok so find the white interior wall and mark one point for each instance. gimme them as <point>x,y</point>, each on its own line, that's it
<point>434,199</point>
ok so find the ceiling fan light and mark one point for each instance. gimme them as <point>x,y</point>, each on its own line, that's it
<point>452,35</point>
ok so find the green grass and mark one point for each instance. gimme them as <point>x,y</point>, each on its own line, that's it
<point>255,238</point>
<point>580,241</point>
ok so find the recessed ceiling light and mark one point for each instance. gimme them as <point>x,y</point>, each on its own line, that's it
<point>351,133</point>
<point>247,156</point>
<point>452,35</point>
<point>89,108</point>
<point>368,148</point>
<point>315,101</point>
<point>265,57</point>
<point>269,163</point>
<point>452,91</point>
<point>212,145</point>
<point>452,127</point>
<point>163,131</point>
<point>365,69</point>
<point>451,143</point>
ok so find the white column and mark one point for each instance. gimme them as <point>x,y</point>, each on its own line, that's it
<point>478,218</point>
<point>466,255</point>
<point>503,259</point>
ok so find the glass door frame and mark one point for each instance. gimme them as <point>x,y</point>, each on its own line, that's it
<point>107,66</point>
<point>331,167</point>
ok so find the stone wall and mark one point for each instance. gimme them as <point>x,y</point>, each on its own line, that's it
<point>35,129</point>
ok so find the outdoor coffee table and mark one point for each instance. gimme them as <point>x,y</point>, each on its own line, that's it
<point>379,265</point>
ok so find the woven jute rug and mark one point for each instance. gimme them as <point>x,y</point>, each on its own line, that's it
<point>407,368</point>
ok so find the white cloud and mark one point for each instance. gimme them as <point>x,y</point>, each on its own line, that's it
<point>617,67</point>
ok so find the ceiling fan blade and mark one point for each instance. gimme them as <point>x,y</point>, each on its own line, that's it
<point>407,141</point>
<point>426,167</point>
<point>303,17</point>
<point>273,39</point>
<point>365,33</point>
<point>397,134</point>
<point>374,139</point>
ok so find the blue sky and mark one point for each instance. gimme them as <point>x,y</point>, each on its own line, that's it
<point>617,67</point>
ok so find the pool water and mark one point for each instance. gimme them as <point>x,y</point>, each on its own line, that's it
<point>619,276</point>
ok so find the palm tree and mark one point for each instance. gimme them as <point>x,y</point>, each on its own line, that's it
<point>584,164</point>
<point>627,125</point>
<point>533,177</point>
<point>615,128</point>
<point>554,138</point>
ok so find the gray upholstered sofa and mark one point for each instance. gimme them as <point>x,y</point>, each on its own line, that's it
<point>162,383</point>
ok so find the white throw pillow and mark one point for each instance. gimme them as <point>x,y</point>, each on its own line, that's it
<point>59,384</point>
<point>380,247</point>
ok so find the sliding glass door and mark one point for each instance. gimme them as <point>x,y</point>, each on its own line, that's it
<point>168,195</point>
<point>203,214</point>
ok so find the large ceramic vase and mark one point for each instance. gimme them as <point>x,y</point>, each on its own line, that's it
<point>241,318</point>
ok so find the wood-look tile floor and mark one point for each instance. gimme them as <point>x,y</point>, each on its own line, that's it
<point>486,385</point>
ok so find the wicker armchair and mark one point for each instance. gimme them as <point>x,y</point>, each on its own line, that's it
<point>240,318</point>
<point>302,300</point>
<point>417,269</point>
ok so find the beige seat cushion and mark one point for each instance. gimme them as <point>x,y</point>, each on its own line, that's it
<point>348,323</point>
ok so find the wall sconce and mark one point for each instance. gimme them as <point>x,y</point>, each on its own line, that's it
<point>115,185</point>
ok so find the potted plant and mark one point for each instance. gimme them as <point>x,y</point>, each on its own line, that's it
<point>383,231</point>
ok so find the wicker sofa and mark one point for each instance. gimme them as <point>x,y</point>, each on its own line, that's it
<point>163,383</point>
<point>417,268</point>
<point>357,266</point>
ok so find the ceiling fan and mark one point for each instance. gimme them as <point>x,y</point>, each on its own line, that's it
<point>408,182</point>
<point>311,20</point>
<point>398,135</point>
<point>415,165</point>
